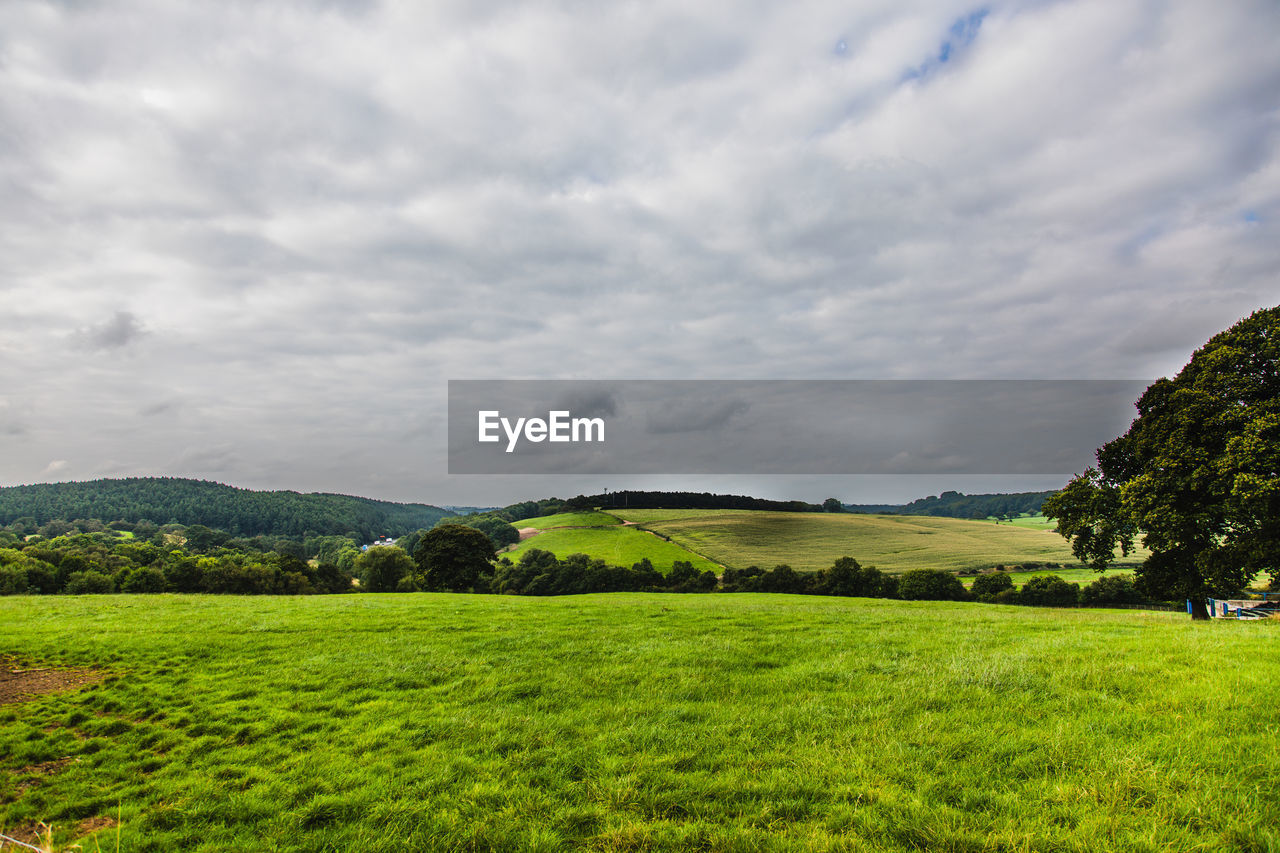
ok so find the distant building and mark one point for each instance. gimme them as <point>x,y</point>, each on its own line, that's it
<point>384,541</point>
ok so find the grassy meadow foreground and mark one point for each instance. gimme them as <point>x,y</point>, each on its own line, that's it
<point>636,721</point>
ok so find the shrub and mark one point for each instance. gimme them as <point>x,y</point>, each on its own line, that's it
<point>145,580</point>
<point>382,567</point>
<point>847,577</point>
<point>184,574</point>
<point>1009,596</point>
<point>741,580</point>
<point>295,583</point>
<point>645,576</point>
<point>931,585</point>
<point>82,583</point>
<point>512,577</point>
<point>782,578</point>
<point>13,580</point>
<point>330,578</point>
<point>1111,589</point>
<point>987,587</point>
<point>1049,591</point>
<point>683,577</point>
<point>41,578</point>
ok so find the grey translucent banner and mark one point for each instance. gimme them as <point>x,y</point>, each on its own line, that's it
<point>999,426</point>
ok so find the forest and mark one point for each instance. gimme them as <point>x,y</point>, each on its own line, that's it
<point>240,512</point>
<point>960,505</point>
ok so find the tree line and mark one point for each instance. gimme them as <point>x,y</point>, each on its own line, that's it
<point>540,572</point>
<point>684,500</point>
<point>960,505</point>
<point>240,512</point>
<point>89,557</point>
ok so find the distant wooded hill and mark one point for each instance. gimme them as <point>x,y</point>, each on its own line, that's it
<point>241,512</point>
<point>686,500</point>
<point>960,505</point>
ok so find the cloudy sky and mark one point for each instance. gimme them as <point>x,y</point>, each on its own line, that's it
<point>251,241</point>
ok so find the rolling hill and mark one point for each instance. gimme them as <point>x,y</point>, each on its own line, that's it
<point>812,541</point>
<point>241,512</point>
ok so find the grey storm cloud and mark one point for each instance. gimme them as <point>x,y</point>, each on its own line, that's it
<point>709,416</point>
<point>325,210</point>
<point>153,409</point>
<point>120,330</point>
<point>590,403</point>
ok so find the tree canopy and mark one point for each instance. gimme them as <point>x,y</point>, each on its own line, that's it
<point>1197,474</point>
<point>452,558</point>
<point>239,512</point>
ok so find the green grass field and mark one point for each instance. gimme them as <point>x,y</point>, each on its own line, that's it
<point>617,546</point>
<point>570,519</point>
<point>641,722</point>
<point>812,541</point>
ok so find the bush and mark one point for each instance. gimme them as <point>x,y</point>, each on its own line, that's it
<point>931,585</point>
<point>1111,589</point>
<point>184,574</point>
<point>515,578</point>
<point>683,577</point>
<point>741,580</point>
<point>13,580</point>
<point>1049,591</point>
<point>89,582</point>
<point>330,578</point>
<point>382,567</point>
<point>847,577</point>
<point>145,580</point>
<point>1009,596</point>
<point>41,578</point>
<point>782,578</point>
<point>987,587</point>
<point>295,583</point>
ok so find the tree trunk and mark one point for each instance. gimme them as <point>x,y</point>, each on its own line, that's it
<point>1199,609</point>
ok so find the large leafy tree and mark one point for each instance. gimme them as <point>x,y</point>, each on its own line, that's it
<point>1198,474</point>
<point>452,558</point>
<point>382,567</point>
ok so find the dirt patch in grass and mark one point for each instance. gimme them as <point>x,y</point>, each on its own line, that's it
<point>40,835</point>
<point>36,772</point>
<point>33,834</point>
<point>94,824</point>
<point>20,682</point>
<point>526,532</point>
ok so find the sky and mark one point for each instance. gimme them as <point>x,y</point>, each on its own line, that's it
<point>251,242</point>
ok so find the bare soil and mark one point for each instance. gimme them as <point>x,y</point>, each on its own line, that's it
<point>37,834</point>
<point>19,682</point>
<point>35,772</point>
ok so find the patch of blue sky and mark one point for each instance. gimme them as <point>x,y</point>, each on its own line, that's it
<point>960,34</point>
